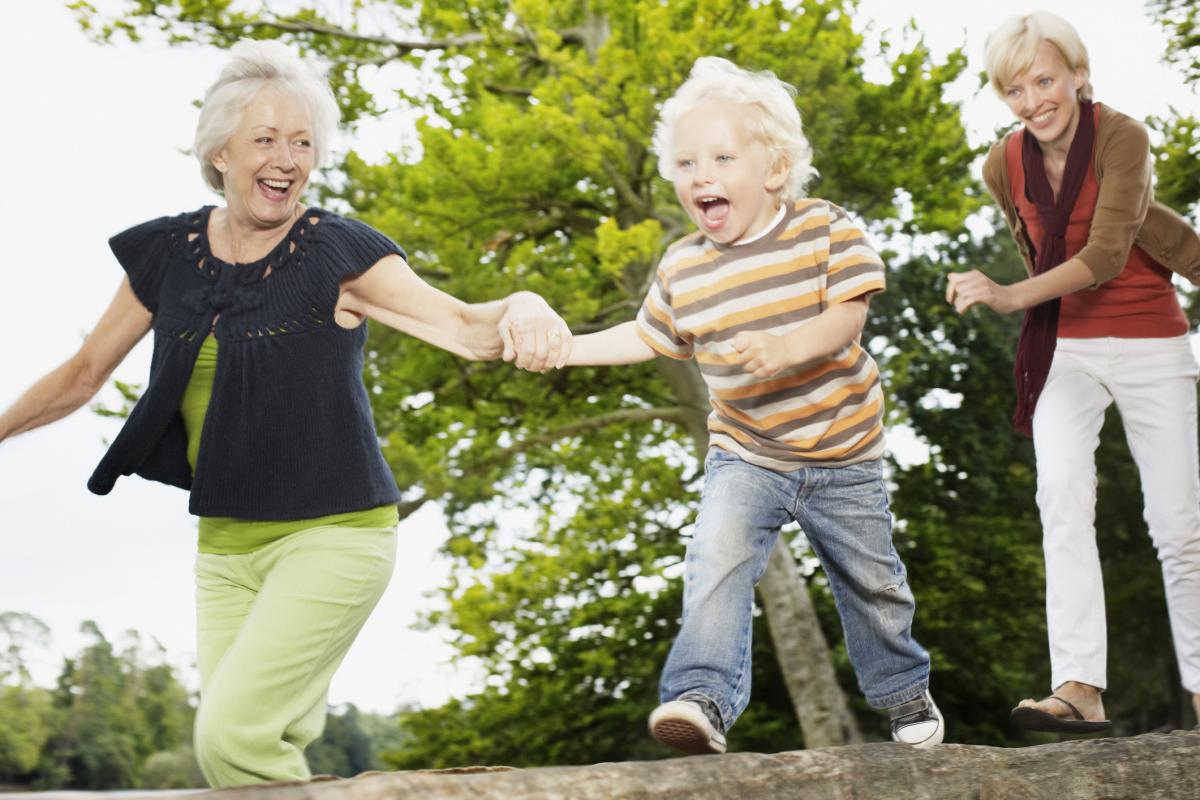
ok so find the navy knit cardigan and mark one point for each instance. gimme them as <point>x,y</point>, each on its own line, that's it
<point>288,433</point>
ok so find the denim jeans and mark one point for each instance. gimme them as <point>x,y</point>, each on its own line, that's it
<point>844,513</point>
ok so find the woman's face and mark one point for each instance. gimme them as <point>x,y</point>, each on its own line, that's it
<point>1046,97</point>
<point>267,161</point>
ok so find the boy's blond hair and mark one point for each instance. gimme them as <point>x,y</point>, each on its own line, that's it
<point>1011,48</point>
<point>776,121</point>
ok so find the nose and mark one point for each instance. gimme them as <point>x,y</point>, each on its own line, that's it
<point>702,176</point>
<point>282,157</point>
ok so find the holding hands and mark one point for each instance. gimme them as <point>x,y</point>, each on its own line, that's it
<point>535,337</point>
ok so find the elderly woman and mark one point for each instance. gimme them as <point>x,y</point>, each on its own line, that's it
<point>1102,324</point>
<point>256,405</point>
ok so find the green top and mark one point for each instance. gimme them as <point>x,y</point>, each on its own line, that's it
<point>232,536</point>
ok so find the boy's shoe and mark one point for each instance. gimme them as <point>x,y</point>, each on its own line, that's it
<point>917,722</point>
<point>690,724</point>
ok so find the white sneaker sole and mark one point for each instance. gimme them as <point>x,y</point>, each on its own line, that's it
<point>682,726</point>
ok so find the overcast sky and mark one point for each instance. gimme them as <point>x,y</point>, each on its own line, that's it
<point>92,143</point>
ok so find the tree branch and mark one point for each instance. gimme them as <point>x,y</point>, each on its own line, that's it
<point>670,414</point>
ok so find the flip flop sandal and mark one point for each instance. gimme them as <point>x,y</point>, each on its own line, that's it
<point>1034,719</point>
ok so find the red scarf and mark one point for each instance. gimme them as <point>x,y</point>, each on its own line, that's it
<point>1039,328</point>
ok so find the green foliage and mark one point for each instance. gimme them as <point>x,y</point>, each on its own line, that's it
<point>345,748</point>
<point>25,724</point>
<point>112,712</point>
<point>1181,20</point>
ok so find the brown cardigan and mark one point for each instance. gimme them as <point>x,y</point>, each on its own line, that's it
<point>1126,211</point>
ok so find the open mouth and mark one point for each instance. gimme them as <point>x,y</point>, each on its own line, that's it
<point>714,209</point>
<point>273,188</point>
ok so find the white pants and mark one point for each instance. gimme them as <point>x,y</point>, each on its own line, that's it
<point>1153,382</point>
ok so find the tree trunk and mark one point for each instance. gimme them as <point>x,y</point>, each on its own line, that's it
<point>800,645</point>
<point>1160,766</point>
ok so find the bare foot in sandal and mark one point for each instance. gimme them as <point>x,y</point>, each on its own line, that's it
<point>1073,708</point>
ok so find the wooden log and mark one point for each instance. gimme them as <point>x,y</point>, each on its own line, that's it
<point>1150,767</point>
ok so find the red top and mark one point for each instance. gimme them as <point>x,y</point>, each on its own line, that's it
<point>1139,303</point>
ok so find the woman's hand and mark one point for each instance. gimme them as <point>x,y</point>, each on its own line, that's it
<point>965,289</point>
<point>535,337</point>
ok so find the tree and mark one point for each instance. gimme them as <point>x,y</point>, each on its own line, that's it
<point>566,496</point>
<point>113,712</point>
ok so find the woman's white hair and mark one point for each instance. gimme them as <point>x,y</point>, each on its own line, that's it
<point>777,119</point>
<point>1011,48</point>
<point>254,66</point>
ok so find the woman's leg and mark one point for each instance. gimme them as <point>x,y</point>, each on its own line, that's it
<point>1066,431</point>
<point>1154,384</point>
<point>263,697</point>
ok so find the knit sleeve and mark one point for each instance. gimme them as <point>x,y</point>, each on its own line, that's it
<point>349,247</point>
<point>1125,173</point>
<point>144,251</point>
<point>855,269</point>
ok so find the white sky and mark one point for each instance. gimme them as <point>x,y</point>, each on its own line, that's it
<point>92,143</point>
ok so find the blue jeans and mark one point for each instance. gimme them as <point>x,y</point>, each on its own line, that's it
<point>844,513</point>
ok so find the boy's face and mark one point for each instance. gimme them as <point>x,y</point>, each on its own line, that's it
<point>725,177</point>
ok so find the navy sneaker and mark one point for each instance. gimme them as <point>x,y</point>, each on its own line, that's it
<point>917,722</point>
<point>690,724</point>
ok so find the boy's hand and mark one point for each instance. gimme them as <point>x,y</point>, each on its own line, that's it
<point>763,354</point>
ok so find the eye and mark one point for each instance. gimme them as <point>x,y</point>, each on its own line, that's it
<point>1045,81</point>
<point>684,163</point>
<point>264,140</point>
<point>1013,93</point>
<point>723,158</point>
<point>305,143</point>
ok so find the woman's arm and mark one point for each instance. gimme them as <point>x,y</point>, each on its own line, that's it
<point>77,380</point>
<point>613,346</point>
<point>521,327</point>
<point>965,289</point>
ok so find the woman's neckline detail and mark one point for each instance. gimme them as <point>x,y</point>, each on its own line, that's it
<point>284,250</point>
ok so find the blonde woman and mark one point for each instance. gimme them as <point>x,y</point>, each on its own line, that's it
<point>1102,325</point>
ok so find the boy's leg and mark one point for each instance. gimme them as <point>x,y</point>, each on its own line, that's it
<point>1155,388</point>
<point>844,513</point>
<point>264,697</point>
<point>741,511</point>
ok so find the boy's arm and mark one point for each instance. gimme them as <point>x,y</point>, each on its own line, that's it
<point>619,344</point>
<point>766,354</point>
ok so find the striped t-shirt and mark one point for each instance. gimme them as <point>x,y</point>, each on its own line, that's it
<point>825,413</point>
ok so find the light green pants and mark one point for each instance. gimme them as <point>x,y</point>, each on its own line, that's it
<point>272,627</point>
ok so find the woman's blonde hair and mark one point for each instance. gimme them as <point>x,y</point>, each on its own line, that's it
<point>1011,49</point>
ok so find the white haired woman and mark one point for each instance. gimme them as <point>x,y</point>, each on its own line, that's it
<point>1102,324</point>
<point>257,406</point>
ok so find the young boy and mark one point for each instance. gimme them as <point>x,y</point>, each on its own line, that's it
<point>770,296</point>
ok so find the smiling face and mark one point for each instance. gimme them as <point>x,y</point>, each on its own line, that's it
<point>1046,98</point>
<point>266,162</point>
<point>726,177</point>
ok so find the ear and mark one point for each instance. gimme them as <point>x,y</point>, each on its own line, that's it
<point>1081,77</point>
<point>218,161</point>
<point>778,174</point>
